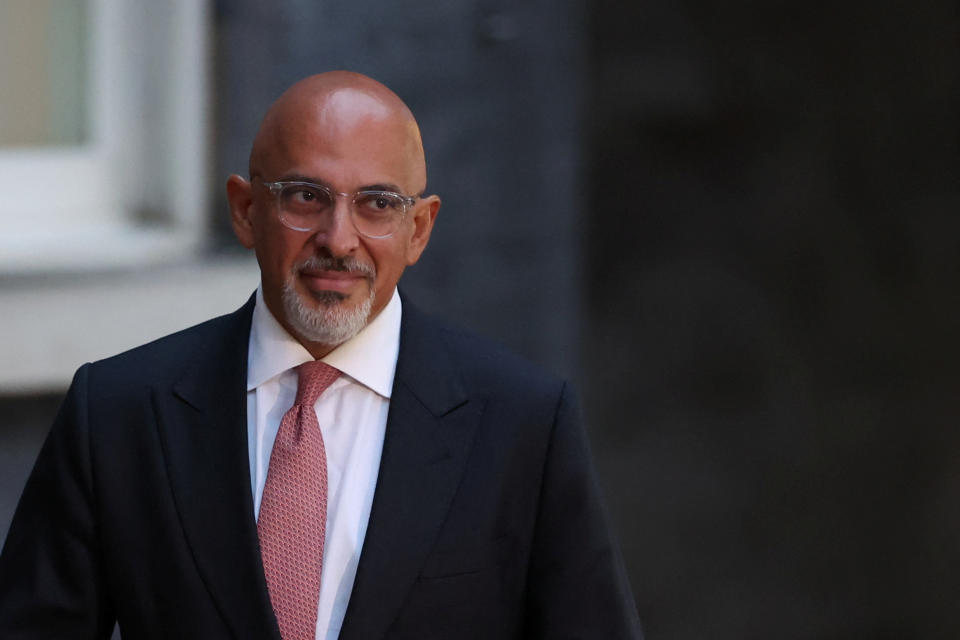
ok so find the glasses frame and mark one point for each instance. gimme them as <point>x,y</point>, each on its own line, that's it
<point>276,188</point>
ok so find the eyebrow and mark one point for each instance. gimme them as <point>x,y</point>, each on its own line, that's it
<point>383,186</point>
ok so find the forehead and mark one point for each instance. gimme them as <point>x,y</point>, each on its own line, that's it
<point>348,138</point>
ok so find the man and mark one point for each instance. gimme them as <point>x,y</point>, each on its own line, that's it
<point>325,462</point>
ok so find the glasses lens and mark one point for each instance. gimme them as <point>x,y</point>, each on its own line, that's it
<point>378,213</point>
<point>303,206</point>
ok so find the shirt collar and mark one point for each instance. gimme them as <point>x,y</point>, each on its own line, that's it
<point>370,357</point>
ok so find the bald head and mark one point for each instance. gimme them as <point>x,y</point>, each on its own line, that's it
<point>337,110</point>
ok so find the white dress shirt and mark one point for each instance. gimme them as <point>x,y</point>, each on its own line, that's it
<point>352,414</point>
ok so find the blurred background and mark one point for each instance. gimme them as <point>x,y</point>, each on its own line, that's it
<point>733,225</point>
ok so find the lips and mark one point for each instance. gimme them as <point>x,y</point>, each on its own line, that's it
<point>320,274</point>
<point>326,280</point>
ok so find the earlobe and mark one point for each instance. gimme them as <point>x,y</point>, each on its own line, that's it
<point>425,216</point>
<point>240,197</point>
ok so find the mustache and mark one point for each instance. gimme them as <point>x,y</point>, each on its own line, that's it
<point>347,264</point>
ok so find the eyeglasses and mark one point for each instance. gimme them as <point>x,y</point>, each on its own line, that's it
<point>304,206</point>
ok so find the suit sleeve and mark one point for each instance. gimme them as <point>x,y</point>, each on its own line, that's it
<point>51,585</point>
<point>577,587</point>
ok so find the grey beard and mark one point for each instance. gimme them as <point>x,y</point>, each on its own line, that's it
<point>330,324</point>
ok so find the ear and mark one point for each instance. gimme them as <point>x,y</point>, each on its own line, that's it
<point>240,197</point>
<point>424,215</point>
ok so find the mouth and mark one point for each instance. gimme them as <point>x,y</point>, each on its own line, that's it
<point>337,281</point>
<point>321,275</point>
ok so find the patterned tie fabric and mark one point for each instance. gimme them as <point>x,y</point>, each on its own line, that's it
<point>293,509</point>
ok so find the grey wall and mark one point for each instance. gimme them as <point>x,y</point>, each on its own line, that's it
<point>771,309</point>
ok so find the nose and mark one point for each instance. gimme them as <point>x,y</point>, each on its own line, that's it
<point>340,236</point>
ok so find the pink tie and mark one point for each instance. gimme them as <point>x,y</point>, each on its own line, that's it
<point>293,509</point>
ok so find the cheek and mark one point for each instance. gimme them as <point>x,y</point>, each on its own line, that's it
<point>390,258</point>
<point>277,253</point>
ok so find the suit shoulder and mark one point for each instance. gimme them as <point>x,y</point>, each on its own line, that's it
<point>485,363</point>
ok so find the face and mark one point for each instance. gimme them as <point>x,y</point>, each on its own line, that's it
<point>324,286</point>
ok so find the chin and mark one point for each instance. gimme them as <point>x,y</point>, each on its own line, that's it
<point>327,298</point>
<point>325,317</point>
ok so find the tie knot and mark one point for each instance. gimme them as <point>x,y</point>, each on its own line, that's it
<point>313,379</point>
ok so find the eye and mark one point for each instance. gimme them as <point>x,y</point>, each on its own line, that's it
<point>300,195</point>
<point>379,202</point>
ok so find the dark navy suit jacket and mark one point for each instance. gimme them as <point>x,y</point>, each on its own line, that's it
<point>486,520</point>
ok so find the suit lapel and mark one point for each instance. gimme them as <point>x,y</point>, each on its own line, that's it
<point>430,429</point>
<point>202,424</point>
